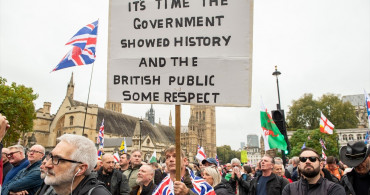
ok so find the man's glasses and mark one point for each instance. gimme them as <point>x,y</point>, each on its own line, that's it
<point>56,159</point>
<point>11,154</point>
<point>311,158</point>
<point>34,151</point>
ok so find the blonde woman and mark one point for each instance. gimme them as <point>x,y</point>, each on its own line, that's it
<point>220,185</point>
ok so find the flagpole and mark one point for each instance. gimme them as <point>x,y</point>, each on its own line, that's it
<point>177,139</point>
<point>88,96</point>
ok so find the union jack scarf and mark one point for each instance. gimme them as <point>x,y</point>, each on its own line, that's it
<point>200,186</point>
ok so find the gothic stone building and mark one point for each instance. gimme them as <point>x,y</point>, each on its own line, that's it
<point>70,119</point>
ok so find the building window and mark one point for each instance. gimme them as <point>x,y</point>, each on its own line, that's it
<point>204,115</point>
<point>71,120</point>
<point>345,137</point>
<point>359,137</point>
<point>350,137</point>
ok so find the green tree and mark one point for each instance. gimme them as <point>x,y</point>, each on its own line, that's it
<point>311,138</point>
<point>16,103</point>
<point>305,112</point>
<point>225,154</point>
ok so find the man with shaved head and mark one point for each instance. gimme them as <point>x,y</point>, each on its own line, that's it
<point>144,181</point>
<point>114,180</point>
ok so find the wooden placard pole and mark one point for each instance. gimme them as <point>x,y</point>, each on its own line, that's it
<point>177,139</point>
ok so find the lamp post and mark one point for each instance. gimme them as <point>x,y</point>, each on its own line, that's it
<point>280,117</point>
<point>141,121</point>
<point>276,74</point>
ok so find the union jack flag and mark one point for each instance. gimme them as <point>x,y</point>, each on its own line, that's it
<point>322,143</point>
<point>218,162</point>
<point>100,138</point>
<point>367,102</point>
<point>83,51</point>
<point>200,186</point>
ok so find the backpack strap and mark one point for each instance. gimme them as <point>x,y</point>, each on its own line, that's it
<point>90,191</point>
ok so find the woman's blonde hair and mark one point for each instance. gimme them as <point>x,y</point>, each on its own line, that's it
<point>213,172</point>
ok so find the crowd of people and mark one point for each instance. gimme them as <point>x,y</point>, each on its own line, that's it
<point>72,167</point>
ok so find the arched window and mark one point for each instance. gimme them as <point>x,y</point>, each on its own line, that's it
<point>359,137</point>
<point>204,115</point>
<point>345,138</point>
<point>350,137</point>
<point>71,120</point>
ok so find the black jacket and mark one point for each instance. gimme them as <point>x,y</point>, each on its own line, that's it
<point>223,188</point>
<point>274,186</point>
<point>323,186</point>
<point>118,182</point>
<point>147,190</point>
<point>347,181</point>
<point>91,183</point>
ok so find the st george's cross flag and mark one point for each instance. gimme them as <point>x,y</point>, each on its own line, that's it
<point>84,47</point>
<point>200,154</point>
<point>325,125</point>
<point>271,134</point>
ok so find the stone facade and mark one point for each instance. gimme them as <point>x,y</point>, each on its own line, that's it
<point>358,101</point>
<point>201,130</point>
<point>70,119</point>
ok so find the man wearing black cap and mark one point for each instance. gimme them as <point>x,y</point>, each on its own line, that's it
<point>357,155</point>
<point>209,162</point>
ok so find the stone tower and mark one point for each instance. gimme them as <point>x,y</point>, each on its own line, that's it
<point>70,88</point>
<point>202,128</point>
<point>150,115</point>
<point>113,106</point>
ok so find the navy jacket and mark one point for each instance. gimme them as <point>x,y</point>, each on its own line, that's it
<point>27,179</point>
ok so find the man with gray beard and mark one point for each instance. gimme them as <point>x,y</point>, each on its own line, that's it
<point>44,189</point>
<point>144,181</point>
<point>69,165</point>
<point>311,181</point>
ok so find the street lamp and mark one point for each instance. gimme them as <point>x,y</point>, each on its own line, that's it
<point>141,121</point>
<point>276,74</point>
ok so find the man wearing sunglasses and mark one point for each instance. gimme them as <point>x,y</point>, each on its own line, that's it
<point>311,181</point>
<point>28,179</point>
<point>69,165</point>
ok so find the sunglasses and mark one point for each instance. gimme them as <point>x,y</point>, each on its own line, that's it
<point>311,158</point>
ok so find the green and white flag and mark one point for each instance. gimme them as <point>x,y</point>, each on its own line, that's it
<point>154,157</point>
<point>271,134</point>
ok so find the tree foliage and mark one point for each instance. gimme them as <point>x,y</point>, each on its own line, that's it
<point>305,112</point>
<point>311,139</point>
<point>225,154</point>
<point>16,103</point>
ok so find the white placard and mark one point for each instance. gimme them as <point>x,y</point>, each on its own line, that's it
<point>180,52</point>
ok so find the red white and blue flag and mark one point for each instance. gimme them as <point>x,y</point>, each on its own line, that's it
<point>84,46</point>
<point>200,186</point>
<point>100,139</point>
<point>367,137</point>
<point>200,154</point>
<point>367,102</point>
<point>218,162</point>
<point>322,143</point>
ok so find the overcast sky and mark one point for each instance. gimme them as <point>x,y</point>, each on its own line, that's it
<point>319,46</point>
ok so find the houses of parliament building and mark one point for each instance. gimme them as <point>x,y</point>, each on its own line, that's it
<point>137,133</point>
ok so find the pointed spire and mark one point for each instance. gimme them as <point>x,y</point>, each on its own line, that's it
<point>70,88</point>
